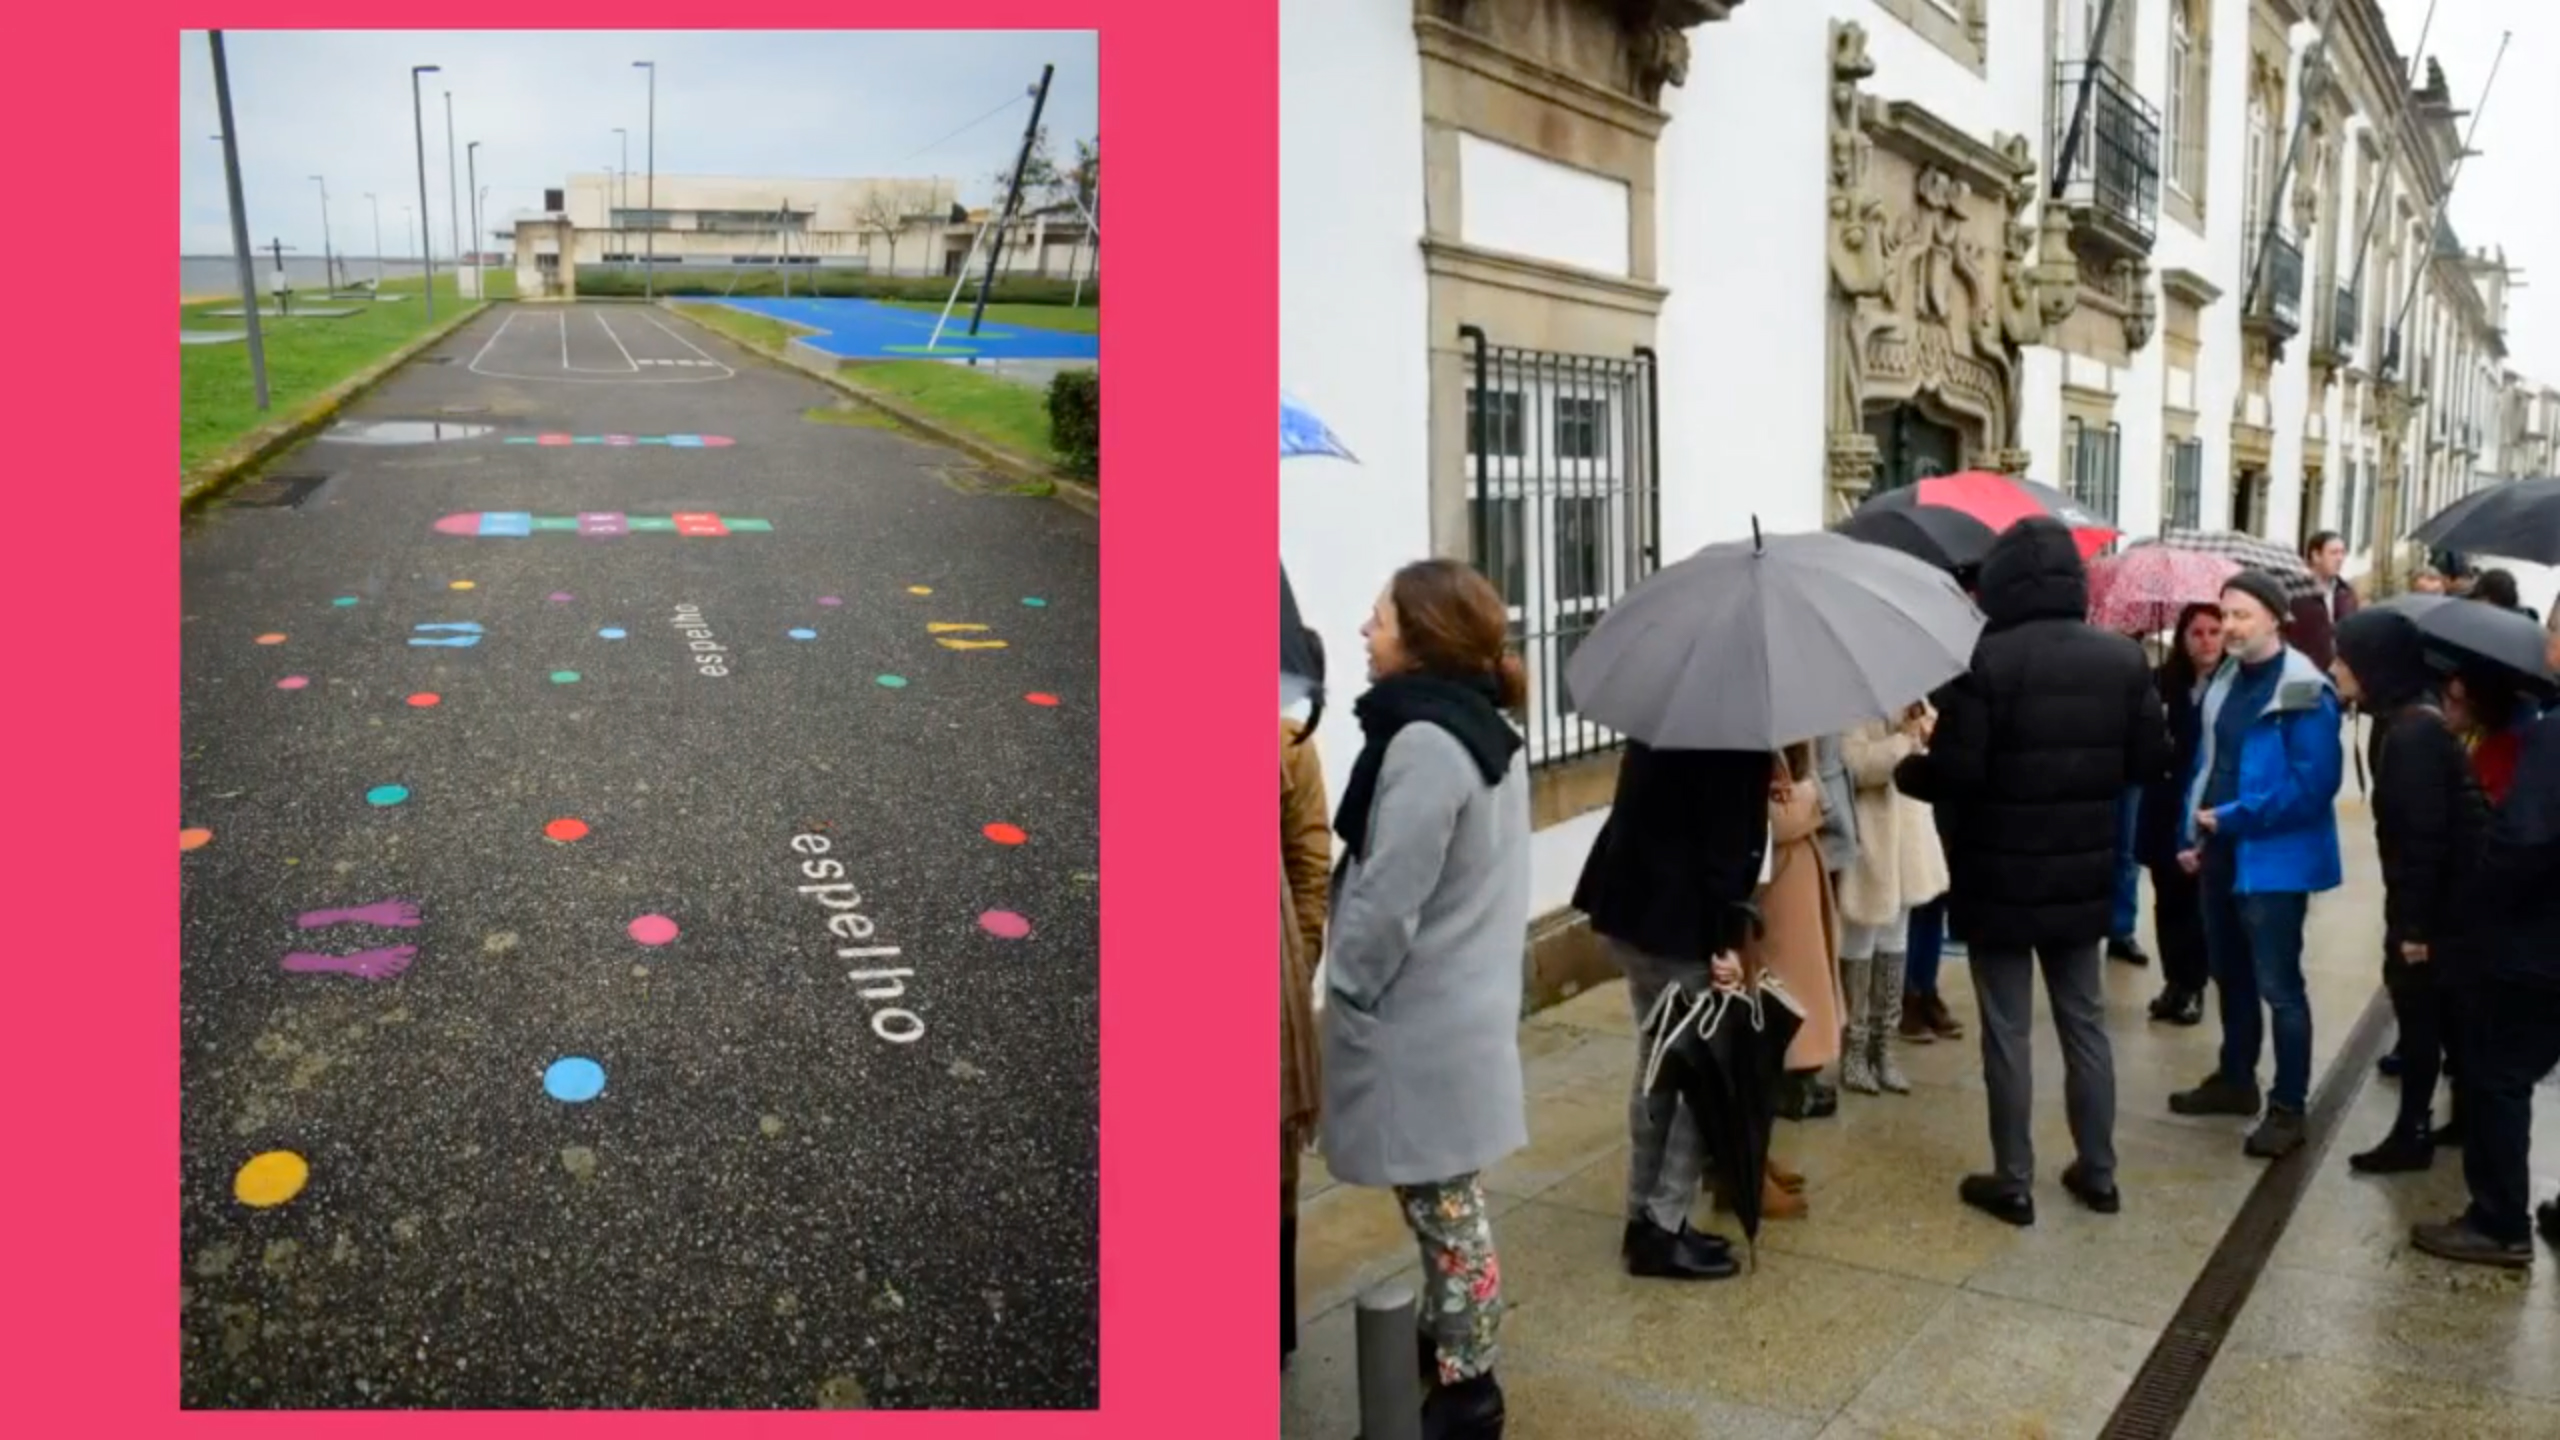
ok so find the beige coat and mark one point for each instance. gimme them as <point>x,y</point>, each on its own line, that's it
<point>1801,940</point>
<point>1900,865</point>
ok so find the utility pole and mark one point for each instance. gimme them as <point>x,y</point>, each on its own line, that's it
<point>1012,195</point>
<point>284,285</point>
<point>426,225</point>
<point>649,264</point>
<point>2393,399</point>
<point>471,167</point>
<point>240,250</point>
<point>452,198</point>
<point>328,258</point>
<point>617,201</point>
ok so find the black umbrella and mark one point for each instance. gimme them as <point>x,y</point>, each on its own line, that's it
<point>2519,520</point>
<point>1722,1052</point>
<point>1301,675</point>
<point>2471,635</point>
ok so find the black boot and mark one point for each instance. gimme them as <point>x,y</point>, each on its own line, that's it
<point>1288,1287</point>
<point>2401,1152</point>
<point>1468,1410</point>
<point>2448,1136</point>
<point>1653,1253</point>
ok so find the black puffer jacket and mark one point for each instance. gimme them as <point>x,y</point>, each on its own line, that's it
<point>2515,894</point>
<point>2035,747</point>
<point>2429,815</point>
<point>1676,864</point>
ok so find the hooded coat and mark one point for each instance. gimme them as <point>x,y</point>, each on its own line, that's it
<point>2035,746</point>
<point>2429,815</point>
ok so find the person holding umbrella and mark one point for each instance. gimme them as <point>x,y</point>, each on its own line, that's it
<point>1422,1083</point>
<point>2195,653</point>
<point>2428,815</point>
<point>2034,748</point>
<point>1306,856</point>
<point>2262,835</point>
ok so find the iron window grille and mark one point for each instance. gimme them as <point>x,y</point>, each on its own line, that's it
<point>2095,457</point>
<point>2115,166</point>
<point>1564,509</point>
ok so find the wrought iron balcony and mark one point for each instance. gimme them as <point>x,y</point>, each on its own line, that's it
<point>2346,318</point>
<point>2278,311</point>
<point>2112,183</point>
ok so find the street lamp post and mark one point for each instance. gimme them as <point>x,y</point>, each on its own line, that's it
<point>418,118</point>
<point>377,238</point>
<point>619,201</point>
<point>649,265</point>
<point>239,223</point>
<point>452,197</point>
<point>328,260</point>
<point>471,167</point>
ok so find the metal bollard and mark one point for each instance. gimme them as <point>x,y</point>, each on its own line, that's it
<point>1390,1391</point>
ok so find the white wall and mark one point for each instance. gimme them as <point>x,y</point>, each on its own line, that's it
<point>1353,319</point>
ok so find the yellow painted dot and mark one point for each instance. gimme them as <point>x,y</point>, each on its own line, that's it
<point>464,585</point>
<point>271,1179</point>
<point>919,589</point>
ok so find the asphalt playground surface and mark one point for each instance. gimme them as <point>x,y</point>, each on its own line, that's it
<point>867,330</point>
<point>583,850</point>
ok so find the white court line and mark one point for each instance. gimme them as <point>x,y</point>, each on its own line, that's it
<point>629,365</point>
<point>493,339</point>
<point>557,378</point>
<point>689,345</point>
<point>617,343</point>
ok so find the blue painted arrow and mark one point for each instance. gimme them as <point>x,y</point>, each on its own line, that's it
<point>469,625</point>
<point>456,640</point>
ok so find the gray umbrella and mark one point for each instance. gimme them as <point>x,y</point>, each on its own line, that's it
<point>1756,644</point>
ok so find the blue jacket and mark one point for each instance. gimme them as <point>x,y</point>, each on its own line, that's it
<point>2284,827</point>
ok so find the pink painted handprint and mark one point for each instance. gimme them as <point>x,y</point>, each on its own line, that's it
<point>380,964</point>
<point>398,914</point>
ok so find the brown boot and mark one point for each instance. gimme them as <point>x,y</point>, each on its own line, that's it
<point>1791,1181</point>
<point>1775,1203</point>
<point>1915,1021</point>
<point>1942,1023</point>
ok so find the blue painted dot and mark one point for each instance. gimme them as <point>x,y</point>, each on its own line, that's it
<point>612,632</point>
<point>574,1080</point>
<point>1035,602</point>
<point>386,794</point>
<point>894,682</point>
<point>803,634</point>
<point>344,600</point>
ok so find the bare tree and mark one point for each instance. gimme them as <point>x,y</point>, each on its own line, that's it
<point>885,210</point>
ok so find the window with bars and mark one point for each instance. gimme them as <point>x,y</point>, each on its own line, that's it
<point>2182,491</point>
<point>1563,492</point>
<point>2095,457</point>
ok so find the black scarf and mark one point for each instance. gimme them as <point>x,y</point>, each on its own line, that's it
<point>1466,709</point>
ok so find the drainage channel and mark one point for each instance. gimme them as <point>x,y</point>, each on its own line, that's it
<point>2157,1400</point>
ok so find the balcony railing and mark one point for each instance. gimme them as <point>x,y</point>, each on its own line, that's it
<point>2114,174</point>
<point>2279,306</point>
<point>2345,321</point>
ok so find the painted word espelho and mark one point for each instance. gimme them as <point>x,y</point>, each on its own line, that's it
<point>879,985</point>
<point>710,657</point>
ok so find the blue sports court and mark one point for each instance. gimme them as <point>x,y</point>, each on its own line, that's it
<point>869,330</point>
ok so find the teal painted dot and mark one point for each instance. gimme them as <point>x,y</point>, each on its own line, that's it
<point>802,634</point>
<point>611,632</point>
<point>386,794</point>
<point>344,600</point>
<point>1035,602</point>
<point>564,677</point>
<point>894,682</point>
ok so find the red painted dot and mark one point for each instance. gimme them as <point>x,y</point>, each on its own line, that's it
<point>1038,698</point>
<point>271,639</point>
<point>425,698</point>
<point>1004,834</point>
<point>566,829</point>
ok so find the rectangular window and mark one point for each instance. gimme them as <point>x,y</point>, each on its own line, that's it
<point>2182,506</point>
<point>2180,135</point>
<point>2094,457</point>
<point>1564,511</point>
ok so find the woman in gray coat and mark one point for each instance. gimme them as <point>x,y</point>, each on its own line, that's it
<point>1422,1087</point>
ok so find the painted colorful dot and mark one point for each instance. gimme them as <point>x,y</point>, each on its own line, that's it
<point>1038,698</point>
<point>426,698</point>
<point>564,677</point>
<point>802,634</point>
<point>1004,834</point>
<point>293,682</point>
<point>830,599</point>
<point>194,839</point>
<point>893,682</point>
<point>566,829</point>
<point>561,597</point>
<point>271,639</point>
<point>573,1080</point>
<point>602,523</point>
<point>919,589</point>
<point>1004,925</point>
<point>386,794</point>
<point>464,585</point>
<point>680,442</point>
<point>612,632</point>
<point>653,930</point>
<point>344,600</point>
<point>270,1179</point>
<point>1035,602</point>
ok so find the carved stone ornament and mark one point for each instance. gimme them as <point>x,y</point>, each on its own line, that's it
<point>2142,309</point>
<point>1634,46</point>
<point>1937,278</point>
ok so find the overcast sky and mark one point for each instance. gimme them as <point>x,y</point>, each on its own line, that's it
<point>2508,195</point>
<point>845,103</point>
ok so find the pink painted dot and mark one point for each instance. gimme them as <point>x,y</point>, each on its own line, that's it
<point>830,599</point>
<point>293,682</point>
<point>561,597</point>
<point>617,439</point>
<point>464,524</point>
<point>271,639</point>
<point>557,440</point>
<point>716,441</point>
<point>653,929</point>
<point>1004,925</point>
<point>1038,698</point>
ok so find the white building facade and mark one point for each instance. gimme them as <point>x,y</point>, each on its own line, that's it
<point>1589,285</point>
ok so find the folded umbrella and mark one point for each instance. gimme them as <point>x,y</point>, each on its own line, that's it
<point>2471,635</point>
<point>2142,590</point>
<point>1950,520</point>
<point>1755,644</point>
<point>1722,1052</point>
<point>2243,550</point>
<point>2519,520</point>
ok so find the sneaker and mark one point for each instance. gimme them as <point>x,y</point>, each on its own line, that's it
<point>2128,950</point>
<point>2400,1153</point>
<point>2217,1096</point>
<point>2455,1240</point>
<point>2278,1135</point>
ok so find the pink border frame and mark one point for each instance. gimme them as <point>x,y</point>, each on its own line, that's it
<point>1190,1071</point>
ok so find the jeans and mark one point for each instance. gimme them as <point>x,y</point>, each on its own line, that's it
<point>2128,869</point>
<point>2515,1042</point>
<point>1927,939</point>
<point>2255,945</point>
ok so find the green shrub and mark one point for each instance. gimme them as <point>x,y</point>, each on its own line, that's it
<point>856,284</point>
<point>1075,420</point>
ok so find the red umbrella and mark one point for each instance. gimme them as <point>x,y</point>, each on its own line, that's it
<point>2142,590</point>
<point>1951,520</point>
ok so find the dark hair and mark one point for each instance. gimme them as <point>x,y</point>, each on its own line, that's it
<point>1315,662</point>
<point>2319,541</point>
<point>2492,695</point>
<point>1452,623</point>
<point>2497,587</point>
<point>2177,671</point>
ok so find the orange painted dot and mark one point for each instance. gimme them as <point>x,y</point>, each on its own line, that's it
<point>425,698</point>
<point>271,638</point>
<point>194,839</point>
<point>1004,834</point>
<point>270,1179</point>
<point>1037,698</point>
<point>566,829</point>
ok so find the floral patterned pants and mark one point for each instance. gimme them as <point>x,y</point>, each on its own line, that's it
<point>1462,1280</point>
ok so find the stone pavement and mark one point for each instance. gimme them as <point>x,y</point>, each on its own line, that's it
<point>1892,1310</point>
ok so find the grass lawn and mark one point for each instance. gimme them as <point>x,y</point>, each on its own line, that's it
<point>217,401</point>
<point>759,331</point>
<point>1076,319</point>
